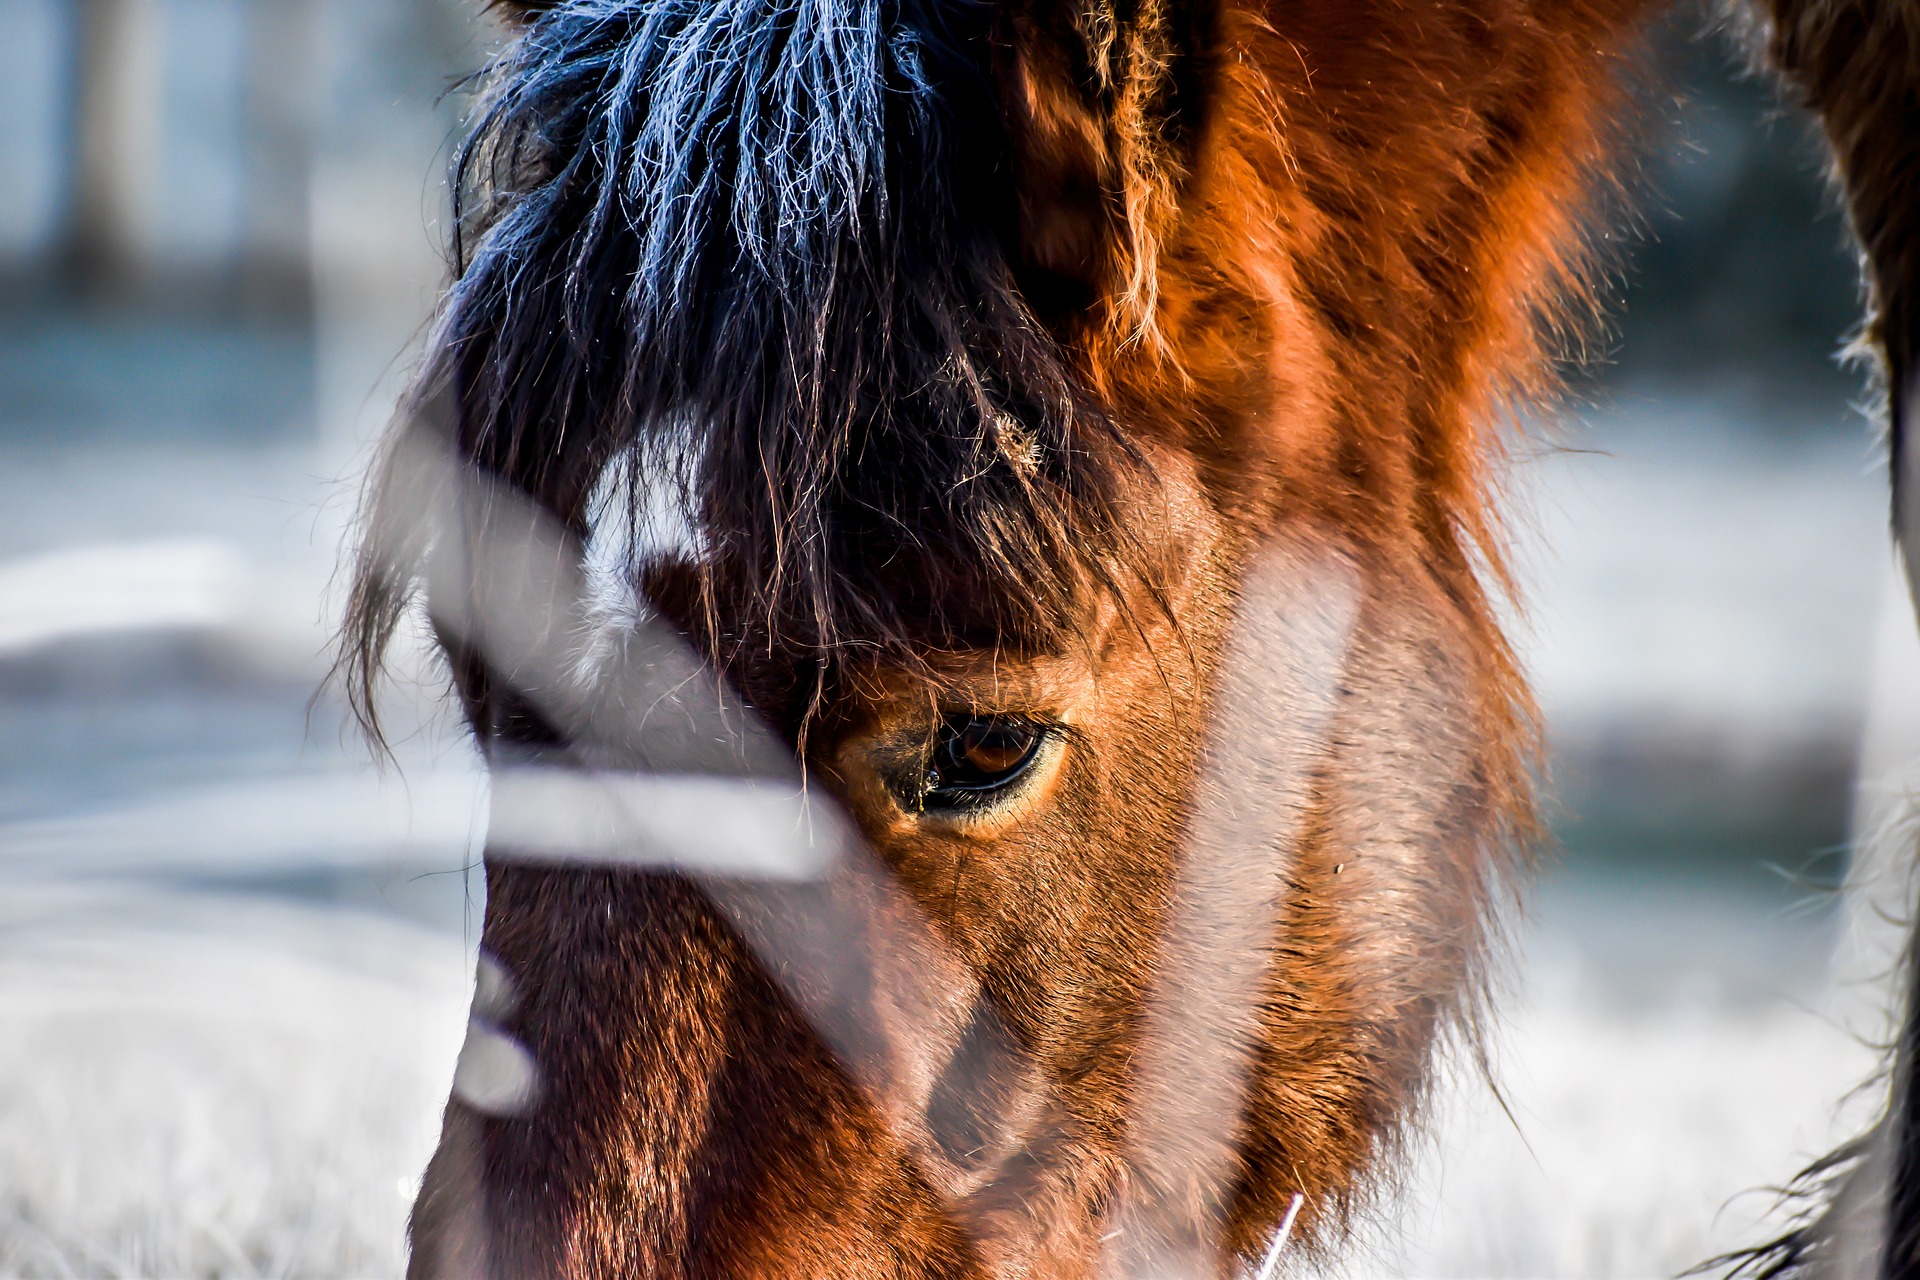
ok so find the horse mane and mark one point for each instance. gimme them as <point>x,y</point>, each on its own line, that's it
<point>762,247</point>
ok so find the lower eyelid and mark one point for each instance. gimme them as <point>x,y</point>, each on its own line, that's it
<point>959,800</point>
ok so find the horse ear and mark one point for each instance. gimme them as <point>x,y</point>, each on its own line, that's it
<point>1067,177</point>
<point>1098,104</point>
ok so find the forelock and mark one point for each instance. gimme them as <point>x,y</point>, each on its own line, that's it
<point>765,238</point>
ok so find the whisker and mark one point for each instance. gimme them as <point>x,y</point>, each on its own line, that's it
<point>1270,1265</point>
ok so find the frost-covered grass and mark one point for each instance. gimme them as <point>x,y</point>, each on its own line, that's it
<point>201,1084</point>
<point>194,1086</point>
<point>1645,1143</point>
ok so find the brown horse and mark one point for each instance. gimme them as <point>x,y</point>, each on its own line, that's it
<point>1069,431</point>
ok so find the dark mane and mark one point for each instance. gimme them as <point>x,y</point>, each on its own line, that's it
<point>759,245</point>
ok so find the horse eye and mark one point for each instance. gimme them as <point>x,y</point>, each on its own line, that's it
<point>974,756</point>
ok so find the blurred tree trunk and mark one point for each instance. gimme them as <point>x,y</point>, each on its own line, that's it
<point>116,107</point>
<point>282,50</point>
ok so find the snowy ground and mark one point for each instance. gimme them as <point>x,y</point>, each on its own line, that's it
<point>201,1085</point>
<point>234,959</point>
<point>1645,1126</point>
<point>197,1082</point>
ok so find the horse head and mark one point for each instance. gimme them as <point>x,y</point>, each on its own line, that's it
<point>1046,455</point>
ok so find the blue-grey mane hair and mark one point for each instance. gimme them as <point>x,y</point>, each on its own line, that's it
<point>761,245</point>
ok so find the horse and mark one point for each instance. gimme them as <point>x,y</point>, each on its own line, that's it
<point>968,533</point>
<point>1857,66</point>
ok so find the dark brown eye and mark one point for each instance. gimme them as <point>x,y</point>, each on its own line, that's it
<point>974,756</point>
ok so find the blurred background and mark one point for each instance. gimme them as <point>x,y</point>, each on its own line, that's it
<point>235,955</point>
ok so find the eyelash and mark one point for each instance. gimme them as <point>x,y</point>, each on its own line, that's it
<point>954,782</point>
